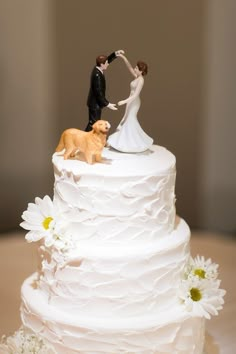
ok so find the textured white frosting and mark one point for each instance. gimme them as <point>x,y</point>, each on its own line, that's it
<point>129,198</point>
<point>115,290</point>
<point>174,332</point>
<point>116,282</point>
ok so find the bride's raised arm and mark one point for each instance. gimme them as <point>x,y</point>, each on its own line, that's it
<point>129,66</point>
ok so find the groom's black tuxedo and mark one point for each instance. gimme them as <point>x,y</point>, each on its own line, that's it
<point>96,97</point>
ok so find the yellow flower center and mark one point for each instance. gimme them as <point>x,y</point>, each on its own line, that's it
<point>201,273</point>
<point>195,294</point>
<point>46,222</point>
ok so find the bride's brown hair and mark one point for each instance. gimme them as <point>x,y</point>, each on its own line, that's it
<point>142,67</point>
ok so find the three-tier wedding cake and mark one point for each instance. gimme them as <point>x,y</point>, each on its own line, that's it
<point>115,273</point>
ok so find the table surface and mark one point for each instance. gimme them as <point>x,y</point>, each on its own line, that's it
<point>18,260</point>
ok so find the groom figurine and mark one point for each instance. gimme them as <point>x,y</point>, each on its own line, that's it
<point>96,98</point>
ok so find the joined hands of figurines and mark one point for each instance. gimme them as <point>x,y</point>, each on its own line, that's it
<point>121,103</point>
<point>120,52</point>
<point>112,106</point>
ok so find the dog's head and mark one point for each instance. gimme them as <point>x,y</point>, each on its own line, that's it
<point>101,126</point>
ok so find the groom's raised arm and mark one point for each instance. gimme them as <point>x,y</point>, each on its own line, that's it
<point>114,55</point>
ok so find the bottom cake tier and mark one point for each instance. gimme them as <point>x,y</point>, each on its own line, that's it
<point>174,331</point>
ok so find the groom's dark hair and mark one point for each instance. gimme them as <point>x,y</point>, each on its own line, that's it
<point>101,59</point>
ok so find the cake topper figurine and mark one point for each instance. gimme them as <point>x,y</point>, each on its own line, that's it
<point>96,98</point>
<point>129,136</point>
<point>89,143</point>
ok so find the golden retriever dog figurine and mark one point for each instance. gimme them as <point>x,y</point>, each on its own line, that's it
<point>90,143</point>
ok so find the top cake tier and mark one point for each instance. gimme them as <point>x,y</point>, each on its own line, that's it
<point>128,197</point>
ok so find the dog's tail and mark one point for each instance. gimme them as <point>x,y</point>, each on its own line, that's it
<point>60,145</point>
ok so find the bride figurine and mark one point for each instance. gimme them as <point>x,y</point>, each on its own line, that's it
<point>129,136</point>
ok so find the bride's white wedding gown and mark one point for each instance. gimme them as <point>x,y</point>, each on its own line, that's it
<point>129,136</point>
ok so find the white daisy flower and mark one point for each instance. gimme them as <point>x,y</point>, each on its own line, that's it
<point>201,268</point>
<point>39,218</point>
<point>201,296</point>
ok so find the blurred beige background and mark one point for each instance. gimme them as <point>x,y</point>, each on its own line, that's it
<point>47,51</point>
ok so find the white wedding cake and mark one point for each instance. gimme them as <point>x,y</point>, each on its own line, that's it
<point>115,273</point>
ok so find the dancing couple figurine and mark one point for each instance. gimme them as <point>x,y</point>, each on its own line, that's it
<point>129,136</point>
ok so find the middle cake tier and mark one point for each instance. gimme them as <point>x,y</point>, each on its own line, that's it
<point>93,280</point>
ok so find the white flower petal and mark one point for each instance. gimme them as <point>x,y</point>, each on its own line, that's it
<point>32,208</point>
<point>46,206</point>
<point>32,217</point>
<point>28,226</point>
<point>33,236</point>
<point>48,241</point>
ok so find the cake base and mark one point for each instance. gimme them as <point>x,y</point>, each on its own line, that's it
<point>175,332</point>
